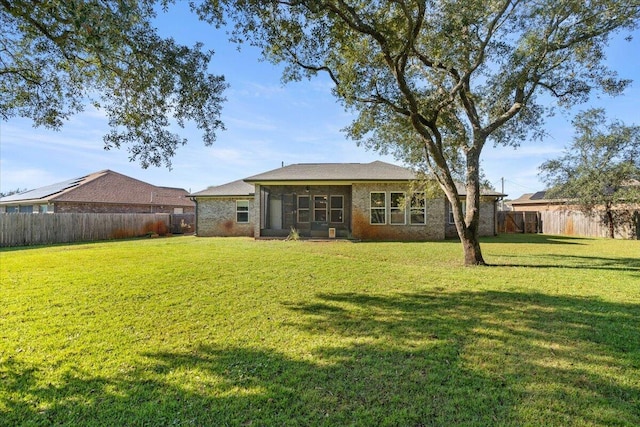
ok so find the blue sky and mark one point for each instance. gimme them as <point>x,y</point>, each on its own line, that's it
<point>269,124</point>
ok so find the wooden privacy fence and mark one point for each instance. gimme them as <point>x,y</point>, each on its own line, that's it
<point>561,221</point>
<point>576,223</point>
<point>518,222</point>
<point>25,229</point>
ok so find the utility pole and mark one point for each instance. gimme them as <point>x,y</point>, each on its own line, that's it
<point>502,191</point>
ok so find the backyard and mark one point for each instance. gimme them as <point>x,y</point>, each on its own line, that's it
<point>239,332</point>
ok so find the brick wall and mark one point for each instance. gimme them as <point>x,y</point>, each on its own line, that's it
<point>217,217</point>
<point>70,207</point>
<point>363,229</point>
<point>487,219</point>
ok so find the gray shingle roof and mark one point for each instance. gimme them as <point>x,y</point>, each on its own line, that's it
<point>346,172</point>
<point>235,188</point>
<point>374,171</point>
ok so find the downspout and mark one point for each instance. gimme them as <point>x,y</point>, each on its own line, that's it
<point>195,200</point>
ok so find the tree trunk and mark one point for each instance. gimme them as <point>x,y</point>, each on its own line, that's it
<point>471,224</point>
<point>612,233</point>
<point>471,247</point>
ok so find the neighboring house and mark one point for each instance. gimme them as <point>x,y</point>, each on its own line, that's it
<point>100,192</point>
<point>536,202</point>
<point>361,201</point>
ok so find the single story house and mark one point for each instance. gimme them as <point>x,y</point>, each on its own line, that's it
<point>371,201</point>
<point>537,202</point>
<point>100,192</point>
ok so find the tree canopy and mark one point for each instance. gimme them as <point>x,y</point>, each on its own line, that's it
<point>434,81</point>
<point>600,170</point>
<point>57,57</point>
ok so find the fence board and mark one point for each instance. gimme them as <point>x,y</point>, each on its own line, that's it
<point>23,229</point>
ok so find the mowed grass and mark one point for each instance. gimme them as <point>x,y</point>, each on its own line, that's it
<point>207,331</point>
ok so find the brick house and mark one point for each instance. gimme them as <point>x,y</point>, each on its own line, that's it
<point>371,201</point>
<point>100,192</point>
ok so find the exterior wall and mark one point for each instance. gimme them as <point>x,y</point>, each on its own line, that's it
<point>363,229</point>
<point>217,217</point>
<point>70,207</point>
<point>488,219</point>
<point>27,208</point>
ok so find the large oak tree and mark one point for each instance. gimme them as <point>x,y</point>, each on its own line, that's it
<point>435,81</point>
<point>57,57</point>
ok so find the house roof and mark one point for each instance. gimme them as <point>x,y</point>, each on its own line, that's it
<point>323,172</point>
<point>235,188</point>
<point>535,198</point>
<point>374,171</point>
<point>105,186</point>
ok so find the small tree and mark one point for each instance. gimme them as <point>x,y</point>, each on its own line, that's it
<point>600,170</point>
<point>58,56</point>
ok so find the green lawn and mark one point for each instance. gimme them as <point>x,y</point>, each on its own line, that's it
<point>208,331</point>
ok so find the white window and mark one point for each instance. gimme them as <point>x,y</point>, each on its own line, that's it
<point>464,209</point>
<point>378,205</point>
<point>397,212</point>
<point>320,208</point>
<point>178,211</point>
<point>242,211</point>
<point>303,209</point>
<point>418,209</point>
<point>337,209</point>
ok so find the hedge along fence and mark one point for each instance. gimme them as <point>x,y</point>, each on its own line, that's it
<point>24,229</point>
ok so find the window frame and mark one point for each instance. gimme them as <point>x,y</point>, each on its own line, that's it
<point>242,211</point>
<point>307,209</point>
<point>416,209</point>
<point>325,209</point>
<point>340,209</point>
<point>382,208</point>
<point>400,208</point>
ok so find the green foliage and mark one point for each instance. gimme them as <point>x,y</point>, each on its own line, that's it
<point>600,170</point>
<point>294,234</point>
<point>234,331</point>
<point>433,81</point>
<point>58,56</point>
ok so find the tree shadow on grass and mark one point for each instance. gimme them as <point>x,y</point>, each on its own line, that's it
<point>631,264</point>
<point>529,238</point>
<point>434,358</point>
